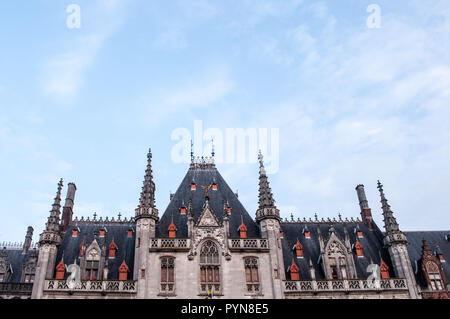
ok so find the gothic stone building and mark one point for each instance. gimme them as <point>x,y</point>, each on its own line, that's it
<point>206,240</point>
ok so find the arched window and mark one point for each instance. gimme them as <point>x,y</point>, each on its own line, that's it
<point>251,274</point>
<point>167,274</point>
<point>434,275</point>
<point>209,267</point>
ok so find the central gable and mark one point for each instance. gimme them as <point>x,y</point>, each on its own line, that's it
<point>208,218</point>
<point>199,184</point>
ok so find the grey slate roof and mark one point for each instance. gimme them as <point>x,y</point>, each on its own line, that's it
<point>17,260</point>
<point>115,231</point>
<point>435,240</point>
<point>372,243</point>
<point>205,177</point>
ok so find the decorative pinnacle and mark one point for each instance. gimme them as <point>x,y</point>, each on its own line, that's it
<point>390,223</point>
<point>148,189</point>
<point>53,219</point>
<point>265,193</point>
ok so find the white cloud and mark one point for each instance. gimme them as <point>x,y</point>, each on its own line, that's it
<point>63,74</point>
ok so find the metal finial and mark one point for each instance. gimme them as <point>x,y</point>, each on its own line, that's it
<point>212,148</point>
<point>192,152</point>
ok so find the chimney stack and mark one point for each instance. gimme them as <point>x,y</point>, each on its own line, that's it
<point>366,212</point>
<point>68,206</point>
<point>28,239</point>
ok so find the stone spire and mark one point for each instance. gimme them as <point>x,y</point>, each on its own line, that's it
<point>146,206</point>
<point>51,234</point>
<point>265,193</point>
<point>53,219</point>
<point>267,208</point>
<point>393,233</point>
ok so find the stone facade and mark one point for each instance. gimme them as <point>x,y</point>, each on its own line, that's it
<point>206,243</point>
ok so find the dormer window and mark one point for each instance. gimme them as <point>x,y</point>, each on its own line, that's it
<point>123,271</point>
<point>307,234</point>
<point>359,249</point>
<point>293,270</point>
<point>229,210</point>
<point>130,233</point>
<point>102,233</point>
<point>60,270</point>
<point>172,230</point>
<point>384,269</point>
<point>281,235</point>
<point>214,187</point>
<point>193,187</point>
<point>299,249</point>
<point>360,234</point>
<point>441,257</point>
<point>242,230</point>
<point>183,210</point>
<point>75,232</point>
<point>112,250</point>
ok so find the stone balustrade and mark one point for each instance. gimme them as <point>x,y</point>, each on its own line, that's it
<point>344,285</point>
<point>93,286</point>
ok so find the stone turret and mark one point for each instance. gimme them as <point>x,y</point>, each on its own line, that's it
<point>146,217</point>
<point>397,244</point>
<point>49,241</point>
<point>268,218</point>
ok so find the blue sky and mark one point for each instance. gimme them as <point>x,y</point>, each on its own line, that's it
<point>352,104</point>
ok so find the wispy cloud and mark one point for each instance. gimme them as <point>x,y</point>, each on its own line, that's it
<point>63,74</point>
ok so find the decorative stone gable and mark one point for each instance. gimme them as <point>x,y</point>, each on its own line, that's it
<point>208,218</point>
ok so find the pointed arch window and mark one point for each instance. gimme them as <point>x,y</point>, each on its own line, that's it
<point>434,276</point>
<point>167,274</point>
<point>251,274</point>
<point>209,267</point>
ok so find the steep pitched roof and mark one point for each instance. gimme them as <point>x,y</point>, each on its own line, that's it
<point>436,240</point>
<point>372,243</point>
<point>118,232</point>
<point>205,176</point>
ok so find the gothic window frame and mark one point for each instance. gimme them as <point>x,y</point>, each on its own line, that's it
<point>5,270</point>
<point>251,268</point>
<point>210,267</point>
<point>436,283</point>
<point>337,260</point>
<point>29,272</point>
<point>167,269</point>
<point>91,261</point>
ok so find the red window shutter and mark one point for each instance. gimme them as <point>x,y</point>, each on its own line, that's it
<point>60,270</point>
<point>358,247</point>
<point>243,230</point>
<point>299,249</point>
